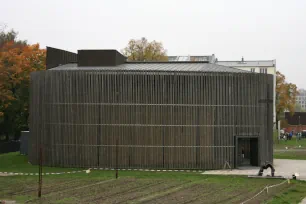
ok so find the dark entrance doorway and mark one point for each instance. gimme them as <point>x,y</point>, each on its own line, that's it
<point>254,151</point>
<point>247,151</point>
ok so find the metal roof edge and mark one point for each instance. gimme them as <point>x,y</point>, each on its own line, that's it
<point>247,61</point>
<point>168,62</point>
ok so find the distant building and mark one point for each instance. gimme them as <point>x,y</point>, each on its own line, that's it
<point>296,122</point>
<point>301,98</point>
<point>259,66</point>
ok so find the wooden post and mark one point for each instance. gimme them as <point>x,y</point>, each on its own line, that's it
<point>40,172</point>
<point>117,121</point>
<point>278,132</point>
<point>117,159</point>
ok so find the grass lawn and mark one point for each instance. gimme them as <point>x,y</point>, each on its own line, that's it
<point>15,162</point>
<point>293,151</point>
<point>295,155</point>
<point>139,187</point>
<point>148,187</point>
<point>291,144</point>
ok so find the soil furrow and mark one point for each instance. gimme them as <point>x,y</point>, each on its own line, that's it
<point>125,191</point>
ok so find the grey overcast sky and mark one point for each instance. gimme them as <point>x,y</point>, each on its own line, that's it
<point>256,30</point>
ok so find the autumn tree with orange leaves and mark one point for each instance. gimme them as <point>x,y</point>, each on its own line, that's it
<point>285,96</point>
<point>17,61</point>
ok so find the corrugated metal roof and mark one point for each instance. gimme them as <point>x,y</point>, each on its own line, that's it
<point>172,67</point>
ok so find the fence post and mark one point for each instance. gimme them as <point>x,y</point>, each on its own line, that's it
<point>117,159</point>
<point>40,172</point>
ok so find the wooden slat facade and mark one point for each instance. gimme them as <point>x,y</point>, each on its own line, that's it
<point>157,120</point>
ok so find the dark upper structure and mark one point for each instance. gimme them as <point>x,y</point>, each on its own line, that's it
<point>94,108</point>
<point>298,118</point>
<point>56,57</point>
<point>84,58</point>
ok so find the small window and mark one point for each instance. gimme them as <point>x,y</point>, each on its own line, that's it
<point>263,70</point>
<point>252,69</point>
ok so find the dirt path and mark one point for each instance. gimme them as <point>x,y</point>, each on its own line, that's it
<point>290,150</point>
<point>3,174</point>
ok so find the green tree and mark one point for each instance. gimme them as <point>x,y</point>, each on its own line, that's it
<point>142,50</point>
<point>10,36</point>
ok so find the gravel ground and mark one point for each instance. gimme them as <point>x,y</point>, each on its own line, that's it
<point>283,167</point>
